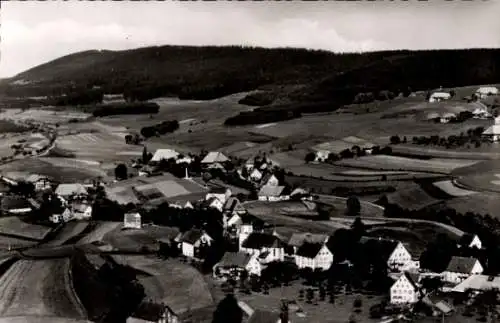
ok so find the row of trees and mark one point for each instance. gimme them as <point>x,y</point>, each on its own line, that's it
<point>160,129</point>
<point>77,97</point>
<point>473,135</point>
<point>355,151</point>
<point>125,108</point>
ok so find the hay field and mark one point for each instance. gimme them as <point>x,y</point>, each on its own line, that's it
<point>15,226</point>
<point>384,162</point>
<point>98,233</point>
<point>412,197</point>
<point>485,152</point>
<point>47,115</point>
<point>482,203</point>
<point>7,243</point>
<point>178,285</point>
<point>69,231</point>
<point>39,288</point>
<point>451,189</point>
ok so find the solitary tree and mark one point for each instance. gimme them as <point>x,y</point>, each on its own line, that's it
<point>145,156</point>
<point>353,206</point>
<point>227,311</point>
<point>121,172</point>
<point>310,157</point>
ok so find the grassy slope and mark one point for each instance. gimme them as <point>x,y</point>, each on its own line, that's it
<point>180,69</point>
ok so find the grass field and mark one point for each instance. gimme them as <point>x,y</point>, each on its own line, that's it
<point>451,189</point>
<point>485,152</point>
<point>178,285</point>
<point>15,226</point>
<point>412,197</point>
<point>98,233</point>
<point>39,288</point>
<point>10,242</point>
<point>383,162</point>
<point>482,203</point>
<point>68,232</point>
<point>45,115</point>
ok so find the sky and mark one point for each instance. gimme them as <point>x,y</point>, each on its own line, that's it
<point>36,32</point>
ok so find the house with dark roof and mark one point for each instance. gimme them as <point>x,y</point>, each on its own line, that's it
<point>272,193</point>
<point>396,255</point>
<point>233,264</point>
<point>193,241</point>
<point>299,238</point>
<point>460,268</point>
<point>314,256</point>
<point>270,180</point>
<point>41,182</point>
<point>266,246</point>
<point>469,240</point>
<point>405,290</point>
<point>11,204</point>
<point>214,157</point>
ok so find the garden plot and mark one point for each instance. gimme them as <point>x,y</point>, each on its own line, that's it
<point>451,189</point>
<point>384,162</point>
<point>180,286</point>
<point>39,288</point>
<point>15,226</point>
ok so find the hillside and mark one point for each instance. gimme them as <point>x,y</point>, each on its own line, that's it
<point>284,75</point>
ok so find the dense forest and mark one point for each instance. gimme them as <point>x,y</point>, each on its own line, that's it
<point>289,76</point>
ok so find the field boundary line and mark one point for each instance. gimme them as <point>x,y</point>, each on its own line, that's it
<point>69,282</point>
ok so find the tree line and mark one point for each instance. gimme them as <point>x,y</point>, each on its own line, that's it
<point>160,128</point>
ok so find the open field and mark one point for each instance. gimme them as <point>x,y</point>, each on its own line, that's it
<point>367,209</point>
<point>15,226</point>
<point>339,312</point>
<point>60,169</point>
<point>98,233</point>
<point>412,197</point>
<point>40,319</point>
<point>482,203</point>
<point>178,285</point>
<point>384,162</point>
<point>7,243</point>
<point>68,232</point>
<point>485,152</point>
<point>45,115</point>
<point>39,288</point>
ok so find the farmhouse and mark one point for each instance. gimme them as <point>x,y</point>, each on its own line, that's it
<point>299,193</point>
<point>67,191</point>
<point>266,246</point>
<point>81,211</point>
<point>478,283</point>
<point>439,96</point>
<point>394,252</point>
<point>493,132</point>
<point>233,264</point>
<point>255,175</point>
<point>193,241</point>
<point>272,193</point>
<point>165,154</point>
<point>40,182</point>
<point>469,241</point>
<point>459,268</point>
<point>213,203</point>
<point>298,239</point>
<point>314,256</point>
<point>486,91</point>
<point>447,117</point>
<point>269,180</point>
<point>132,221</point>
<point>222,194</point>
<point>405,290</point>
<point>214,157</point>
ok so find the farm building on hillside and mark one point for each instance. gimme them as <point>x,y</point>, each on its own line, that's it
<point>447,117</point>
<point>393,252</point>
<point>193,242</point>
<point>337,146</point>
<point>486,91</point>
<point>266,246</point>
<point>439,96</point>
<point>214,157</point>
<point>132,221</point>
<point>493,132</point>
<point>67,191</point>
<point>165,154</point>
<point>41,182</point>
<point>314,256</point>
<point>255,175</point>
<point>213,203</point>
<point>233,264</point>
<point>459,268</point>
<point>81,211</point>
<point>469,241</point>
<point>405,289</point>
<point>269,180</point>
<point>272,193</point>
<point>220,193</point>
<point>298,239</point>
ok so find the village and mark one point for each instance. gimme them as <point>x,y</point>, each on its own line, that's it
<point>205,207</point>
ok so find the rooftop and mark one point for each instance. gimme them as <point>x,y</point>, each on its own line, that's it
<point>462,265</point>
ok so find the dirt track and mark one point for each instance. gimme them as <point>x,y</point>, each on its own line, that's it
<point>39,288</point>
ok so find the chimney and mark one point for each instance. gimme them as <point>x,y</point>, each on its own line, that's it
<point>284,312</point>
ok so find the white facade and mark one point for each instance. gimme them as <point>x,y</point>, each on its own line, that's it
<point>132,221</point>
<point>216,204</point>
<point>476,243</point>
<point>486,91</point>
<point>439,96</point>
<point>256,175</point>
<point>455,277</point>
<point>322,155</point>
<point>271,254</point>
<point>188,249</point>
<point>244,231</point>
<point>272,181</point>
<point>399,258</point>
<point>223,197</point>
<point>404,292</point>
<point>274,198</point>
<point>323,260</point>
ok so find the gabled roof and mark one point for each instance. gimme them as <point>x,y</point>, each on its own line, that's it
<point>35,178</point>
<point>164,154</point>
<point>309,250</point>
<point>466,239</point>
<point>412,278</point>
<point>492,130</point>
<point>214,157</point>
<point>70,189</point>
<point>191,236</point>
<point>462,265</point>
<point>237,259</point>
<point>259,240</point>
<point>298,239</point>
<point>233,205</point>
<point>267,177</point>
<point>382,247</point>
<point>261,316</point>
<point>80,207</point>
<point>268,190</point>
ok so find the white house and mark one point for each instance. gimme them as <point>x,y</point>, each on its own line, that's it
<point>82,211</point>
<point>132,221</point>
<point>395,253</point>
<point>486,91</point>
<point>164,154</point>
<point>185,159</point>
<point>298,239</point>
<point>493,132</point>
<point>255,175</point>
<point>214,157</point>
<point>439,96</point>
<point>322,155</point>
<point>405,290</point>
<point>233,263</point>
<point>266,246</point>
<point>41,182</point>
<point>214,203</point>
<point>459,268</point>
<point>193,240</point>
<point>272,193</point>
<point>314,256</point>
<point>222,194</point>
<point>270,180</point>
<point>447,117</point>
<point>470,241</point>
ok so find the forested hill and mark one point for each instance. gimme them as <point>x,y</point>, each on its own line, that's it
<point>210,72</point>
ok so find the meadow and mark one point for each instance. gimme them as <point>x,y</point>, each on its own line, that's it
<point>15,226</point>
